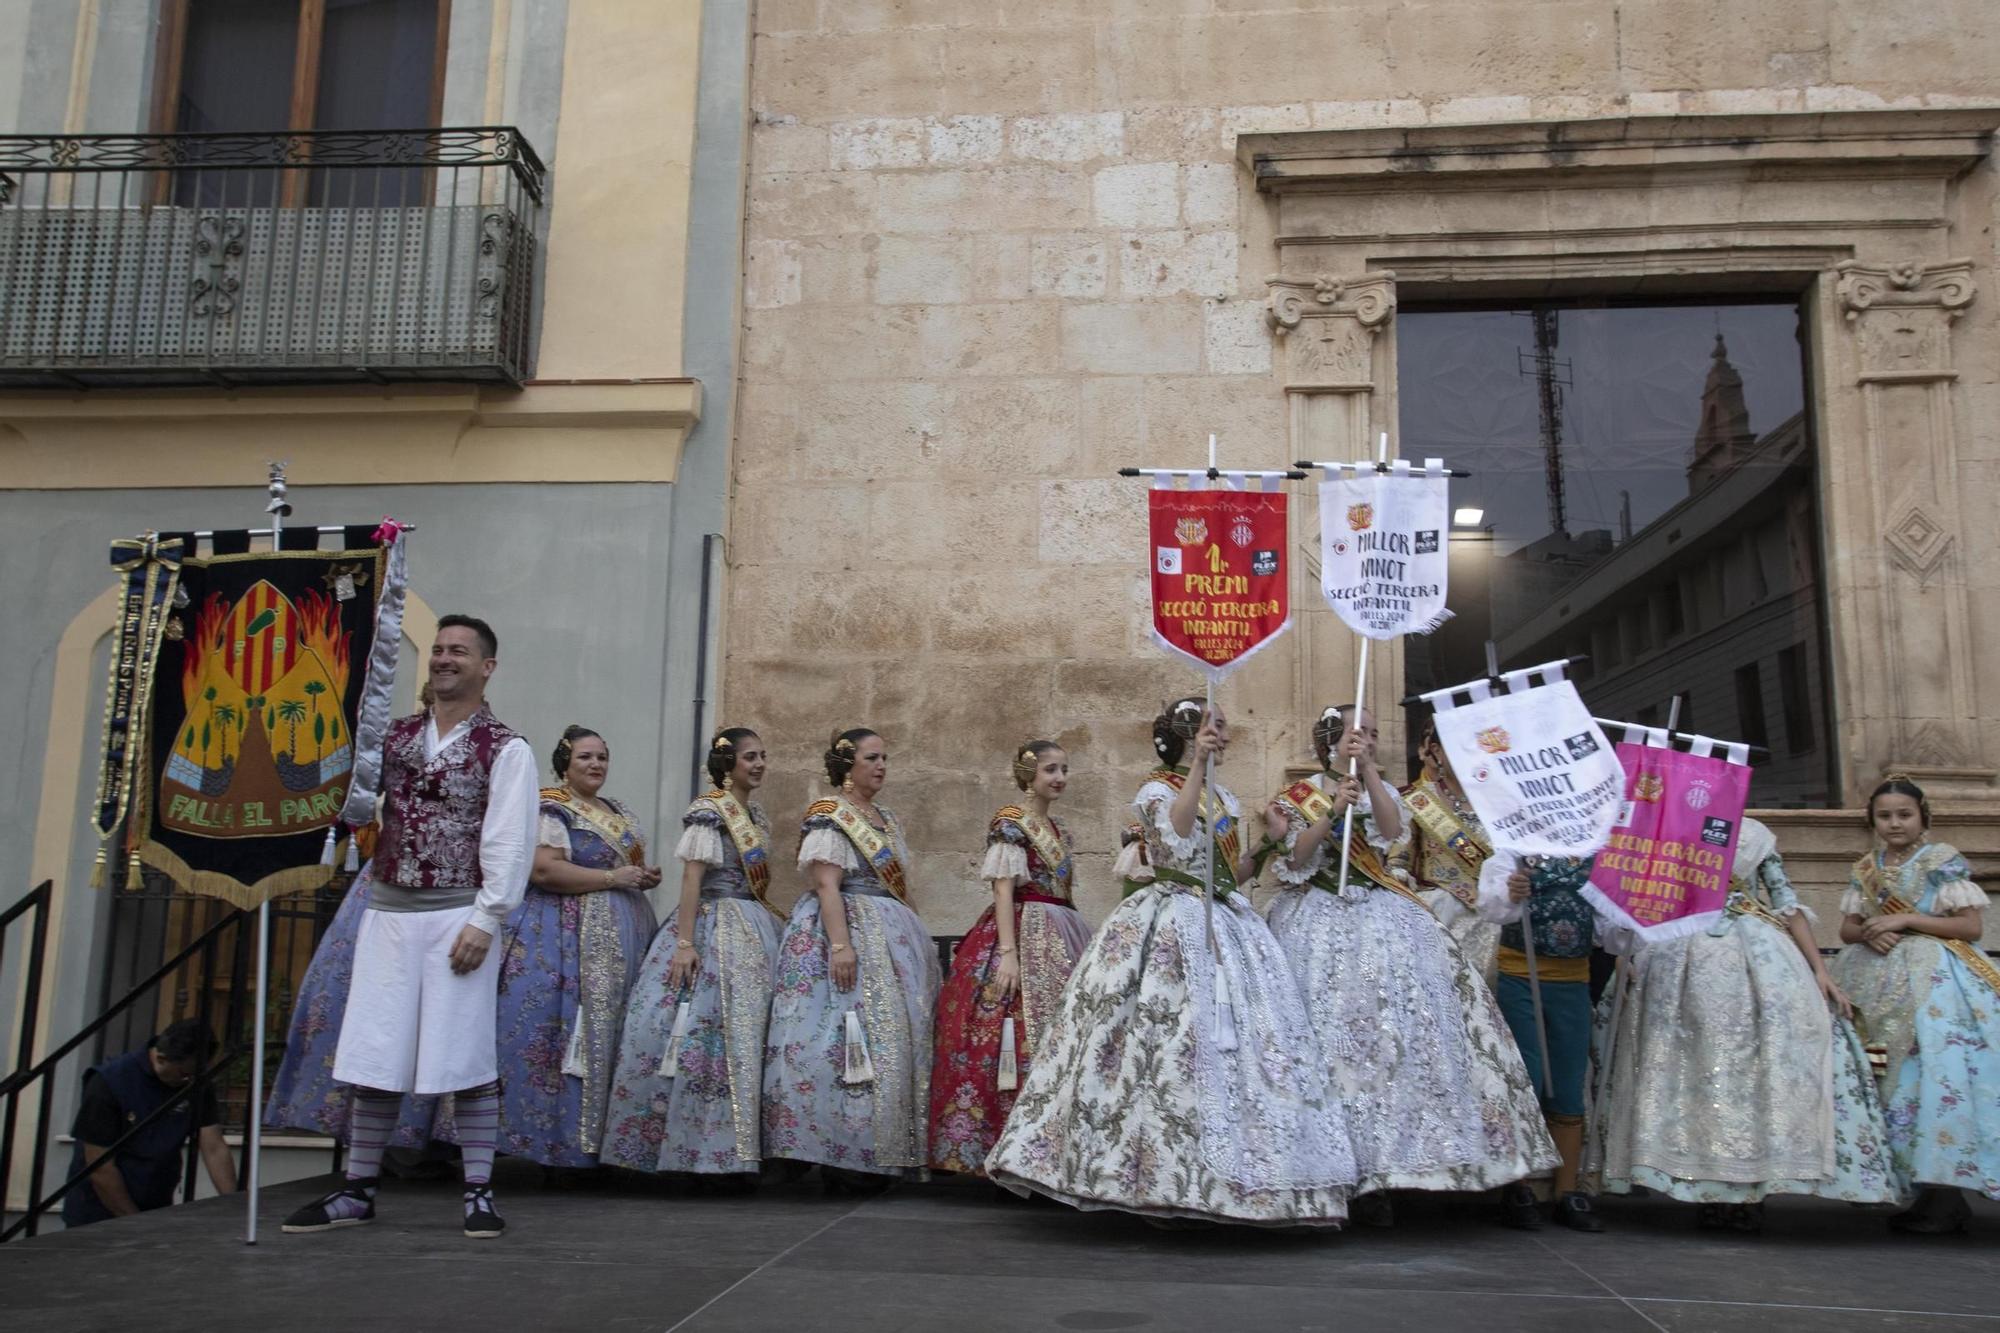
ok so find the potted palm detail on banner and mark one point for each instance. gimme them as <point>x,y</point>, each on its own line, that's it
<point>1382,558</point>
<point>1219,586</point>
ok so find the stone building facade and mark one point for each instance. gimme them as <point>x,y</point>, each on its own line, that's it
<point>997,250</point>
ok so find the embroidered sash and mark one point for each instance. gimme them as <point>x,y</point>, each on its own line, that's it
<point>1222,831</point>
<point>1976,962</point>
<point>875,849</point>
<point>1441,824</point>
<point>749,840</point>
<point>1043,836</point>
<point>1314,804</point>
<point>612,825</point>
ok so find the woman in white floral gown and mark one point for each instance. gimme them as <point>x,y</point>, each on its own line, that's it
<point>1734,1073</point>
<point>1181,1080</point>
<point>1435,1092</point>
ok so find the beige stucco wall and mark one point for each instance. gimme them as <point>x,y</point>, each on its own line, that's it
<point>997,250</point>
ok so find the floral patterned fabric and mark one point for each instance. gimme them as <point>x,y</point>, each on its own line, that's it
<point>693,1105</point>
<point>1565,926</point>
<point>1176,1080</point>
<point>1731,1078</point>
<point>968,1106</point>
<point>811,1113</point>
<point>304,1096</point>
<point>1940,1024</point>
<point>568,961</point>
<point>1435,1092</point>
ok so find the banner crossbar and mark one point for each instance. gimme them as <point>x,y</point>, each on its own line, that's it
<point>1549,671</point>
<point>1212,473</point>
<point>1691,740</point>
<point>1433,467</point>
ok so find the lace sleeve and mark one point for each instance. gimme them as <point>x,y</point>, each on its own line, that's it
<point>1155,805</point>
<point>1004,860</point>
<point>1851,903</point>
<point>1959,893</point>
<point>1281,864</point>
<point>825,843</point>
<point>552,832</point>
<point>701,841</point>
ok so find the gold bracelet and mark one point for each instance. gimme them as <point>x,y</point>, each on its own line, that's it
<point>1006,948</point>
<point>608,883</point>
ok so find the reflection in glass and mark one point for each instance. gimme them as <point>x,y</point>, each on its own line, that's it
<point>1646,481</point>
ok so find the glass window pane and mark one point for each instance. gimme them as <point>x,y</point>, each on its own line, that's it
<point>236,77</point>
<point>1646,476</point>
<point>378,59</point>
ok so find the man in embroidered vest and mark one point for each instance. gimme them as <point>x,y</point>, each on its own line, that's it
<point>458,824</point>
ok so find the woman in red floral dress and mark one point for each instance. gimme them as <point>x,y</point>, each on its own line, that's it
<point>1008,973</point>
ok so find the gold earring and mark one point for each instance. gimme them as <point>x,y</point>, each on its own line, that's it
<point>847,784</point>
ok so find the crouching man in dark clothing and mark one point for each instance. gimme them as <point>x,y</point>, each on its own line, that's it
<point>123,1091</point>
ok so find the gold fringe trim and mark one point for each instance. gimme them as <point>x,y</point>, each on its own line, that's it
<point>214,884</point>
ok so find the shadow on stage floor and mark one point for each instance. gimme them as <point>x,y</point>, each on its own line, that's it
<point>949,1255</point>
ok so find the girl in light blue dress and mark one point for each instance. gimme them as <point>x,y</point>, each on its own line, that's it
<point>1930,1000</point>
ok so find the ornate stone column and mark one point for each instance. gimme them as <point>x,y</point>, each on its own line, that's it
<point>1907,654</point>
<point>1338,372</point>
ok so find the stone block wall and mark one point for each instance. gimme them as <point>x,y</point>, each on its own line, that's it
<point>997,250</point>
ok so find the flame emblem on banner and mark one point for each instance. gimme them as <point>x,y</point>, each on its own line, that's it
<point>1191,531</point>
<point>1649,787</point>
<point>1361,517</point>
<point>1494,740</point>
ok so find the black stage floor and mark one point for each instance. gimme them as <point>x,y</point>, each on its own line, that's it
<point>950,1256</point>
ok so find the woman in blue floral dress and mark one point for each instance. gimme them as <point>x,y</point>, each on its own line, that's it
<point>847,1062</point>
<point>1931,1000</point>
<point>691,1066</point>
<point>569,956</point>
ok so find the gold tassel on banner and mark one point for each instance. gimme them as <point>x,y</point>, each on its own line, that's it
<point>135,872</point>
<point>1009,1076</point>
<point>100,874</point>
<point>859,1068</point>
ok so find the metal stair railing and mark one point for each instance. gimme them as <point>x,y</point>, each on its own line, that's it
<point>26,1075</point>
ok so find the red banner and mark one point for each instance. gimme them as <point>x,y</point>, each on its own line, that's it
<point>1219,586</point>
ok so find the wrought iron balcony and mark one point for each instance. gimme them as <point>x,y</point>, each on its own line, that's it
<point>296,258</point>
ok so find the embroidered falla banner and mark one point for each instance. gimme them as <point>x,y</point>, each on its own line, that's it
<point>1219,583</point>
<point>1382,548</point>
<point>1665,871</point>
<point>1536,768</point>
<point>255,697</point>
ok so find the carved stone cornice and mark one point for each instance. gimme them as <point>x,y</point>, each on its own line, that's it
<point>1901,315</point>
<point>1329,325</point>
<point>1947,286</point>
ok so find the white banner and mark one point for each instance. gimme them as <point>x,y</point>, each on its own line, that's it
<point>1382,547</point>
<point>1539,772</point>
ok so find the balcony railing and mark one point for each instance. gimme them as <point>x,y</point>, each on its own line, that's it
<point>317,257</point>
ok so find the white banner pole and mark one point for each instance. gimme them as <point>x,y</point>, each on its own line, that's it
<point>1360,686</point>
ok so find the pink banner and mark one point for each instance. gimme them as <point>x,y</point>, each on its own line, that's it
<point>1665,871</point>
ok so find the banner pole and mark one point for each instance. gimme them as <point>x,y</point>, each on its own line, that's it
<point>1208,791</point>
<point>1360,686</point>
<point>253,1136</point>
<point>1528,928</point>
<point>1208,850</point>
